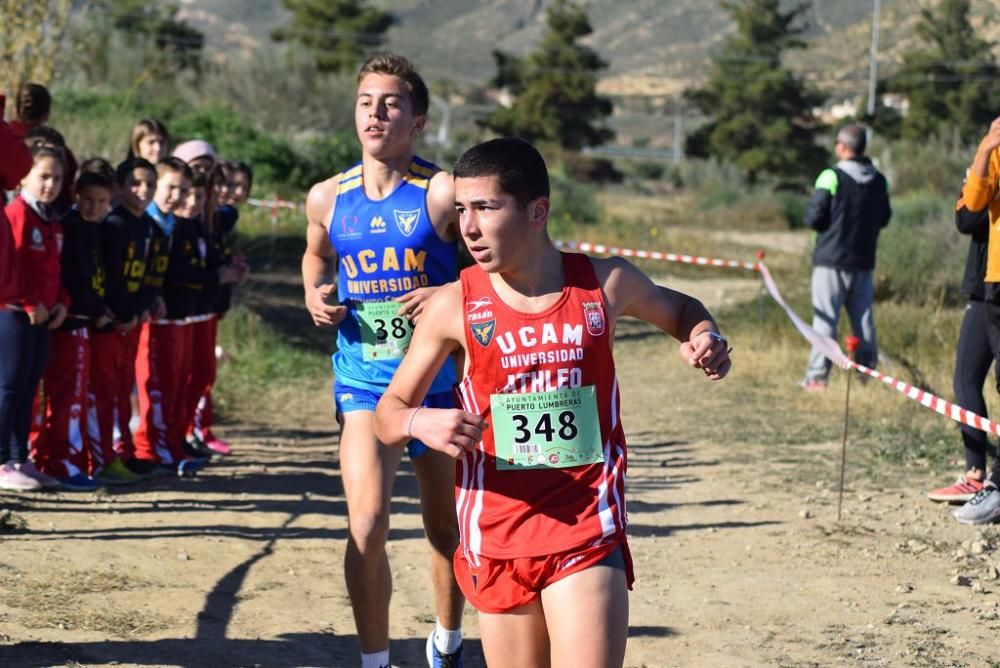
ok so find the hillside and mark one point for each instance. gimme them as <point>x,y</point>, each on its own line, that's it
<point>653,47</point>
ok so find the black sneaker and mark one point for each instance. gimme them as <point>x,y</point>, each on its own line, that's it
<point>193,447</point>
<point>144,468</point>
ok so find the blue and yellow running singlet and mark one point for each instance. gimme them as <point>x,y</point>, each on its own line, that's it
<point>385,248</point>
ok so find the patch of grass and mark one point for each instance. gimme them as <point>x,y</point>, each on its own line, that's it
<point>64,601</point>
<point>10,522</point>
<point>262,368</point>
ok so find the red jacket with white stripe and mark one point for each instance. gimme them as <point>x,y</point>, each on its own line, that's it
<point>38,243</point>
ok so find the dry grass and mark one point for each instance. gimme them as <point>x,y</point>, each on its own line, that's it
<point>79,600</point>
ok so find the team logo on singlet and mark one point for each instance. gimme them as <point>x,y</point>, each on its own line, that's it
<point>377,225</point>
<point>483,331</point>
<point>482,324</point>
<point>407,221</point>
<point>593,315</point>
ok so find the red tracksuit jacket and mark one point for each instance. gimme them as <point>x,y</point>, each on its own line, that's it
<point>38,244</point>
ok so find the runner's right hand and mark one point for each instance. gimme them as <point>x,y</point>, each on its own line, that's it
<point>324,314</point>
<point>448,430</point>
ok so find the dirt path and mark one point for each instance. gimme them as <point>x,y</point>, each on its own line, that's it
<point>739,560</point>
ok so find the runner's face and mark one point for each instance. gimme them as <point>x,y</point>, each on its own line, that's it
<point>383,116</point>
<point>493,223</point>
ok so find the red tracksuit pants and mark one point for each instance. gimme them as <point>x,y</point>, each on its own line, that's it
<point>62,446</point>
<point>162,369</point>
<point>198,398</point>
<point>112,375</point>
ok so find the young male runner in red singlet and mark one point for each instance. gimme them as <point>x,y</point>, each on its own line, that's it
<point>541,449</point>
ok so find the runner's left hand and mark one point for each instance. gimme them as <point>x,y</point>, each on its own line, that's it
<point>709,354</point>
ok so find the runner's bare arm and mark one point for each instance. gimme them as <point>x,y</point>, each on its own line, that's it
<point>631,293</point>
<point>320,260</point>
<point>441,209</point>
<point>397,416</point>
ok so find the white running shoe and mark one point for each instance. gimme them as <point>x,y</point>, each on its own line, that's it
<point>982,508</point>
<point>12,478</point>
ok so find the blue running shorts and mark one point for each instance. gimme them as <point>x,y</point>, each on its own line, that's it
<point>347,399</point>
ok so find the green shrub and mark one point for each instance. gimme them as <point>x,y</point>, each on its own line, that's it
<point>573,204</point>
<point>936,165</point>
<point>920,253</point>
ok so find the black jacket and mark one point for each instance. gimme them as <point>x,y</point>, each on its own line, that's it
<point>849,208</point>
<point>82,271</point>
<point>125,238</point>
<point>977,225</point>
<point>188,273</point>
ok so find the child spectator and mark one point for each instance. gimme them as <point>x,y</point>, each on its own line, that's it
<point>67,447</point>
<point>43,134</point>
<point>189,277</point>
<point>156,370</point>
<point>32,110</point>
<point>150,141</point>
<point>125,237</point>
<point>213,302</point>
<point>242,184</point>
<point>15,327</point>
<point>198,154</point>
<point>37,238</point>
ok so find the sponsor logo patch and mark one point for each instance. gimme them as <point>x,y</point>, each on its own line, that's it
<point>377,225</point>
<point>348,228</point>
<point>474,310</point>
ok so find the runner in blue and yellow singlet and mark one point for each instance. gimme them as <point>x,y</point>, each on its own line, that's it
<point>389,226</point>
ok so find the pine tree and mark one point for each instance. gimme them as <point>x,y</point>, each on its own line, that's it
<point>759,113</point>
<point>951,80</point>
<point>554,87</point>
<point>337,32</point>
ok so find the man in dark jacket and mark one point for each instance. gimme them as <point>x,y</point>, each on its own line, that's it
<point>848,209</point>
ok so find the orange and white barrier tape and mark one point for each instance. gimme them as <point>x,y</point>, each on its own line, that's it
<point>654,255</point>
<point>825,344</point>
<point>276,203</point>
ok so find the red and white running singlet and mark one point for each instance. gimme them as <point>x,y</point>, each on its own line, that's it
<point>549,473</point>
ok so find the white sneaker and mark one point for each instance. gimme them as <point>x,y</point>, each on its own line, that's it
<point>982,508</point>
<point>29,469</point>
<point>12,478</point>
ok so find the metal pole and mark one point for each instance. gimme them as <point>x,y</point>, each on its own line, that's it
<point>873,59</point>
<point>852,345</point>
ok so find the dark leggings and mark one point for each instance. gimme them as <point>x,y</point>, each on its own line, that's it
<point>972,365</point>
<point>16,346</point>
<point>24,350</point>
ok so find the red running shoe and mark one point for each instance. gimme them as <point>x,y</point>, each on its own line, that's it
<point>963,490</point>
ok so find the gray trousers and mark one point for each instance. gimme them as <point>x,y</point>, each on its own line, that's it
<point>852,290</point>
